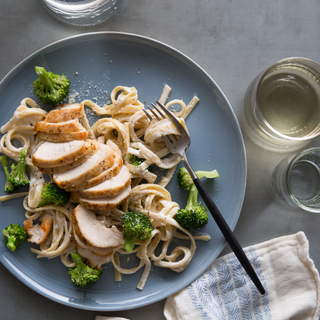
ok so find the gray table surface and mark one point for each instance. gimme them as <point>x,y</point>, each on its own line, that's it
<point>233,41</point>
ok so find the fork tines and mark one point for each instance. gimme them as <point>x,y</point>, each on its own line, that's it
<point>163,112</point>
<point>154,113</point>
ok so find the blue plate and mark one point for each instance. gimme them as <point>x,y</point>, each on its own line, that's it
<point>95,63</point>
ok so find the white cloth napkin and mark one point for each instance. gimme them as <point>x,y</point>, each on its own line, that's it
<point>225,292</point>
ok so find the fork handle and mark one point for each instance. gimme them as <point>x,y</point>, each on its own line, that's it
<point>228,234</point>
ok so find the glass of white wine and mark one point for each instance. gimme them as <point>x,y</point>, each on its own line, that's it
<point>296,180</point>
<point>282,104</point>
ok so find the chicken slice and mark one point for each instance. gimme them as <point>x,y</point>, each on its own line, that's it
<point>69,126</point>
<point>92,232</point>
<point>105,175</point>
<point>65,113</point>
<point>109,187</point>
<point>95,250</point>
<point>51,154</point>
<point>103,203</point>
<point>99,161</point>
<point>67,166</point>
<point>39,233</point>
<point>61,137</point>
<point>94,260</point>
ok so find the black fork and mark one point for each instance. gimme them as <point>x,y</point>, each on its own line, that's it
<point>178,144</point>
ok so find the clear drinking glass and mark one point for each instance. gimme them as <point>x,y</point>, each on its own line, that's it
<point>282,105</point>
<point>83,12</point>
<point>296,180</point>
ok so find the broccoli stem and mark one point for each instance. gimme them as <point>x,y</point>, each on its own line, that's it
<point>45,79</point>
<point>207,174</point>
<point>22,161</point>
<point>129,244</point>
<point>78,261</point>
<point>8,187</point>
<point>11,243</point>
<point>193,192</point>
<point>4,162</point>
<point>192,197</point>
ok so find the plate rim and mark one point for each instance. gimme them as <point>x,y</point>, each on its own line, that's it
<point>106,34</point>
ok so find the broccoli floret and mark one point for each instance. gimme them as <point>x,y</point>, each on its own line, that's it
<point>51,193</point>
<point>135,160</point>
<point>18,176</point>
<point>194,216</point>
<point>49,87</point>
<point>82,275</point>
<point>14,235</point>
<point>136,225</point>
<point>184,179</point>
<point>8,187</point>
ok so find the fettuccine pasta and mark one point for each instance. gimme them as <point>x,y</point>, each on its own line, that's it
<point>123,126</point>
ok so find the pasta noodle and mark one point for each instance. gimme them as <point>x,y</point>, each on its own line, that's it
<point>123,126</point>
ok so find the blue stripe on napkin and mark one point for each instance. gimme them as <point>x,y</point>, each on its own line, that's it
<point>225,291</point>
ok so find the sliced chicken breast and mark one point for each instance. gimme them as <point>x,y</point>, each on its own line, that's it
<point>92,232</point>
<point>65,113</point>
<point>69,126</point>
<point>51,154</point>
<point>109,187</point>
<point>68,166</point>
<point>103,203</point>
<point>60,137</point>
<point>39,233</point>
<point>94,260</point>
<point>98,162</point>
<point>105,175</point>
<point>95,250</point>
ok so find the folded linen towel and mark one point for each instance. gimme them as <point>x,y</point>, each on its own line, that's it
<point>225,292</point>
